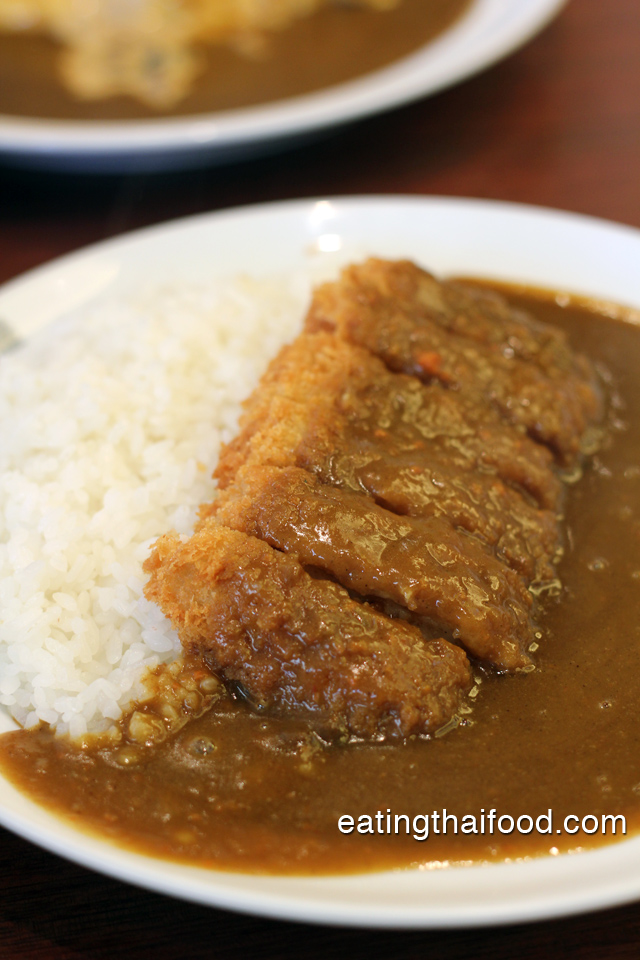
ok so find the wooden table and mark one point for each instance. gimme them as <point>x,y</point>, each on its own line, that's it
<point>556,124</point>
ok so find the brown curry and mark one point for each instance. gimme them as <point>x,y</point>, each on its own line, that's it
<point>237,789</point>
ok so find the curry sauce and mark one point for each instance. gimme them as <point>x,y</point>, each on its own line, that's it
<point>238,789</point>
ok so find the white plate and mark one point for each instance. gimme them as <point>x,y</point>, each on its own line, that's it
<point>516,243</point>
<point>491,30</point>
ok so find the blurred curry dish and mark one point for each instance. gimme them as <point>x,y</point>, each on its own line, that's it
<point>148,49</point>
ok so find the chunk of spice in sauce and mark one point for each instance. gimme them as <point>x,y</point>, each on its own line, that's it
<point>243,789</point>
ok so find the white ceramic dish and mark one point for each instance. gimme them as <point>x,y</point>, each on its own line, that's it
<point>516,243</point>
<point>491,30</point>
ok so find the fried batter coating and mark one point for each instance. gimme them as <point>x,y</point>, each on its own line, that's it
<point>301,645</point>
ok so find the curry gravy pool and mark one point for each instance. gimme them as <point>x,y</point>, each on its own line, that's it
<point>235,789</point>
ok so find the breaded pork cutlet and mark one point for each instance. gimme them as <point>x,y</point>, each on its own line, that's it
<point>336,411</point>
<point>468,340</point>
<point>393,497</point>
<point>299,645</point>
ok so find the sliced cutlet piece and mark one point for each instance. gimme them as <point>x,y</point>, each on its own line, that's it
<point>336,411</point>
<point>299,645</point>
<point>469,340</point>
<point>443,578</point>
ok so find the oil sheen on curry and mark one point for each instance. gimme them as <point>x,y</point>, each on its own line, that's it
<point>412,592</point>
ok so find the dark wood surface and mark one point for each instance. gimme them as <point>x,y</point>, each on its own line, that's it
<point>557,124</point>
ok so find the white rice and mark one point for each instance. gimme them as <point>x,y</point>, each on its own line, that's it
<point>111,426</point>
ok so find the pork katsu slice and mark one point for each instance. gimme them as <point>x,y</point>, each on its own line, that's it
<point>444,578</point>
<point>354,425</point>
<point>301,645</point>
<point>468,340</point>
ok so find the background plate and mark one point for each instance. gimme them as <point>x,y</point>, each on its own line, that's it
<point>491,30</point>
